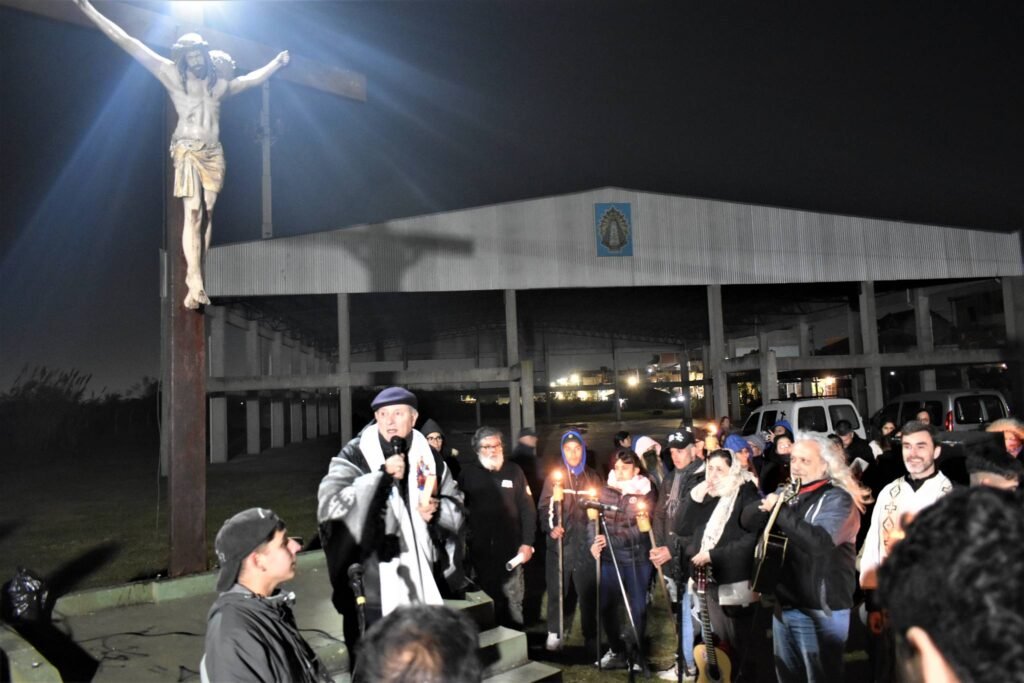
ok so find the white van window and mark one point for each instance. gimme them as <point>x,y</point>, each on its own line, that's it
<point>811,419</point>
<point>993,407</point>
<point>842,411</point>
<point>769,419</point>
<point>968,410</point>
<point>750,426</point>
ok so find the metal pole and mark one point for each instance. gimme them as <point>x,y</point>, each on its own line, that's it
<point>625,595</point>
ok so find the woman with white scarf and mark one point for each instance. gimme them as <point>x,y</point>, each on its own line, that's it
<point>718,541</point>
<point>628,491</point>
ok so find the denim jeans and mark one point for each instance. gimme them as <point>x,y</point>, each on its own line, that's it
<point>635,578</point>
<point>686,619</point>
<point>809,645</point>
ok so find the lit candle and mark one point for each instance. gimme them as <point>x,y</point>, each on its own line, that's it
<point>558,493</point>
<point>643,520</point>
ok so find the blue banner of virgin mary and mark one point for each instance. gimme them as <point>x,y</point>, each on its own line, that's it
<point>613,229</point>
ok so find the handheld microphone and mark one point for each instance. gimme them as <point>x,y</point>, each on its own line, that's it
<point>355,581</point>
<point>598,505</point>
<point>398,447</point>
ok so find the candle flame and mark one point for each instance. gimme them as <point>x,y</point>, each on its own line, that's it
<point>558,475</point>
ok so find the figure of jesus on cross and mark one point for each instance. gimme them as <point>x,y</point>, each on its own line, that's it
<point>196,84</point>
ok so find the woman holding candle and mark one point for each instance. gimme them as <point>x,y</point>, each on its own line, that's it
<point>629,493</point>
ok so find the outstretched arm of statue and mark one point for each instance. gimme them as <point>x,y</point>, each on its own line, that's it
<point>257,77</point>
<point>153,62</point>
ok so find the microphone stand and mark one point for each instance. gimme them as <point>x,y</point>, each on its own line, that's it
<point>355,576</point>
<point>592,515</point>
<point>625,599</point>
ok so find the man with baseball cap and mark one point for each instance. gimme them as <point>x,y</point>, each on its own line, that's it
<point>687,472</point>
<point>390,514</point>
<point>251,633</point>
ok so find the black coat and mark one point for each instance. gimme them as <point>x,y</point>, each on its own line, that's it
<point>501,514</point>
<point>733,555</point>
<point>819,570</point>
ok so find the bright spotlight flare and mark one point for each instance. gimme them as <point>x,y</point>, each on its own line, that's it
<point>196,82</point>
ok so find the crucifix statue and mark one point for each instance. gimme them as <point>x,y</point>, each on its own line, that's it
<point>196,83</point>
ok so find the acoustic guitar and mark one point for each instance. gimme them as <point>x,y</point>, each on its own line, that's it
<point>713,665</point>
<point>770,552</point>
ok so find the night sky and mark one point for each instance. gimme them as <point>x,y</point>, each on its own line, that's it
<point>908,111</point>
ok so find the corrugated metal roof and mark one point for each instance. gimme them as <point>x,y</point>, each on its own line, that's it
<point>550,243</point>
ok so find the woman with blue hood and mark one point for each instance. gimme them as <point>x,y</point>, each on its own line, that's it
<point>579,579</point>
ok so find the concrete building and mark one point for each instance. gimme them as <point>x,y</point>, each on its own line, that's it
<point>505,298</point>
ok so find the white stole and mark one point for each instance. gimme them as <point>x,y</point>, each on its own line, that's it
<point>408,578</point>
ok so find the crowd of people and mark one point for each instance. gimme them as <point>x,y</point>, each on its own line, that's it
<point>764,546</point>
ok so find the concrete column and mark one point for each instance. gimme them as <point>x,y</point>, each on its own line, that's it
<point>312,400</point>
<point>869,339</point>
<point>218,428</point>
<point>515,410</point>
<point>344,367</point>
<point>965,377</point>
<point>252,403</point>
<point>295,412</point>
<point>805,338</point>
<point>277,369</point>
<point>252,425</point>
<point>716,338</point>
<point>529,417</point>
<point>276,422</point>
<point>734,392</point>
<point>925,336</point>
<point>769,376</point>
<point>853,331</point>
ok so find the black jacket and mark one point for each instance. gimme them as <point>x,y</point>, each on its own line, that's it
<point>501,514</point>
<point>249,638</point>
<point>631,546</point>
<point>733,555</point>
<point>819,571</point>
<point>669,511</point>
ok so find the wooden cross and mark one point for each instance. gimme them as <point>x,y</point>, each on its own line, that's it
<point>184,358</point>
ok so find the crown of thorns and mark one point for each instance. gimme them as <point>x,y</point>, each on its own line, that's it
<point>188,42</point>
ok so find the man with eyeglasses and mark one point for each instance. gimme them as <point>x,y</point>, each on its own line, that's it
<point>502,524</point>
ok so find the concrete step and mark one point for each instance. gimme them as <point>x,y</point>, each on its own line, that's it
<point>527,673</point>
<point>502,649</point>
<point>478,606</point>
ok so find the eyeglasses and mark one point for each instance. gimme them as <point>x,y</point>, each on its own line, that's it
<point>435,438</point>
<point>490,447</point>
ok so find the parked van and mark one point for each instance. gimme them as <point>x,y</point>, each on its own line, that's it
<point>956,410</point>
<point>805,415</point>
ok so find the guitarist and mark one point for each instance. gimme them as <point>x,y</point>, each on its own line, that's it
<point>818,576</point>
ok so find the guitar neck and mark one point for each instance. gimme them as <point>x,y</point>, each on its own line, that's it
<point>705,631</point>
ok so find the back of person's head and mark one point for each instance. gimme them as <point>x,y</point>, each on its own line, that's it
<point>987,459</point>
<point>420,644</point>
<point>957,578</point>
<point>844,428</point>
